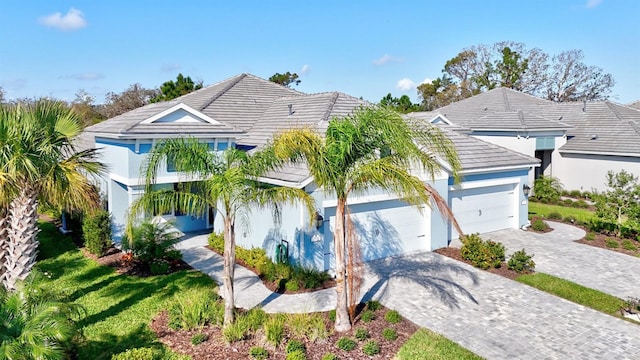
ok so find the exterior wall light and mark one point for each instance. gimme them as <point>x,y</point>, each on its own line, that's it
<point>319,220</point>
<point>526,190</point>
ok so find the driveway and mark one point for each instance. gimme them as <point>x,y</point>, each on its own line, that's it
<point>557,254</point>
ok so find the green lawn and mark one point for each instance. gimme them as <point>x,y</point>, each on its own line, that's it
<point>576,293</point>
<point>581,215</point>
<point>436,346</point>
<point>119,307</point>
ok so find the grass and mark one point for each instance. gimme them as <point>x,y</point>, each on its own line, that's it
<point>581,215</point>
<point>576,293</point>
<point>437,346</point>
<point>119,307</point>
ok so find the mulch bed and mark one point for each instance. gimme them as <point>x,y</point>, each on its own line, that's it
<point>274,286</point>
<point>601,242</point>
<point>215,348</point>
<point>115,258</point>
<point>454,253</point>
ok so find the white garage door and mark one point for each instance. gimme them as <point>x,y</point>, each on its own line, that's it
<point>384,228</point>
<point>484,209</point>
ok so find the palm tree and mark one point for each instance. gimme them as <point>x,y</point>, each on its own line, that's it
<point>224,182</point>
<point>39,163</point>
<point>374,147</point>
<point>35,324</point>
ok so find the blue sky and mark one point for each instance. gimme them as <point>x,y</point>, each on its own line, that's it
<point>368,49</point>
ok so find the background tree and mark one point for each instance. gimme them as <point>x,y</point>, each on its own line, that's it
<point>87,111</point>
<point>479,68</point>
<point>173,89</point>
<point>228,187</point>
<point>39,164</point>
<point>619,204</point>
<point>285,79</point>
<point>401,105</point>
<point>347,161</point>
<point>133,97</point>
<point>1,95</point>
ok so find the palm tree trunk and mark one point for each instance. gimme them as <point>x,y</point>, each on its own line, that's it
<point>4,238</point>
<point>342,312</point>
<point>228,271</point>
<point>22,244</point>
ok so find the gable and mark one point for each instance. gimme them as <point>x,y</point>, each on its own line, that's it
<point>180,114</point>
<point>440,119</point>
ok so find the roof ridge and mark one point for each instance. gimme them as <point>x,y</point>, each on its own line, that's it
<point>614,110</point>
<point>507,105</point>
<point>269,81</point>
<point>521,117</point>
<point>325,116</point>
<point>224,90</point>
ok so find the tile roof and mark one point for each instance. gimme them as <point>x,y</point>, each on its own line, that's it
<point>500,108</point>
<point>601,127</point>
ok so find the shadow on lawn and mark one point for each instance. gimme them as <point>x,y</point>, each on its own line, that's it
<point>439,277</point>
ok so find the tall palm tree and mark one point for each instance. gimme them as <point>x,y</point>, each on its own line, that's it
<point>35,324</point>
<point>373,148</point>
<point>224,182</point>
<point>39,163</point>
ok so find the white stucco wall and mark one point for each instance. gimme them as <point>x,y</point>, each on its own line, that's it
<point>587,172</point>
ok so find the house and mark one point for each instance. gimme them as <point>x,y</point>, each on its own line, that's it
<point>576,142</point>
<point>245,112</point>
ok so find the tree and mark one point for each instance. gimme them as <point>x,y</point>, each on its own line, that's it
<point>511,64</point>
<point>173,89</point>
<point>401,105</point>
<point>575,81</point>
<point>1,95</point>
<point>39,164</point>
<point>285,79</point>
<point>133,97</point>
<point>372,148</point>
<point>36,324</point>
<point>229,187</point>
<point>619,204</point>
<point>84,106</point>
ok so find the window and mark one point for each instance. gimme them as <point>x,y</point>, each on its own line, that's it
<point>171,165</point>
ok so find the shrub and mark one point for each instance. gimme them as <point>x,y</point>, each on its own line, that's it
<point>547,188</point>
<point>568,202</point>
<point>537,224</point>
<point>296,355</point>
<point>373,305</point>
<point>255,318</point>
<point>216,241</point>
<point>195,308</point>
<point>612,243</point>
<point>291,285</point>
<point>371,348</point>
<point>332,315</point>
<point>482,254</point>
<point>159,267</point>
<point>575,194</point>
<point>136,354</point>
<point>236,331</point>
<point>199,338</point>
<point>274,330</point>
<point>149,242</point>
<point>590,236</point>
<point>330,356</point>
<point>392,317</point>
<point>361,334</point>
<point>629,245</point>
<point>295,345</point>
<point>346,344</point>
<point>389,334</point>
<point>367,316</point>
<point>521,262</point>
<point>96,231</point>
<point>580,204</point>
<point>258,353</point>
<point>554,215</point>
<point>570,219</point>
<point>307,325</point>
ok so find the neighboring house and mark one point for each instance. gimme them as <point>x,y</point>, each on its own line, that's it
<point>245,112</point>
<point>577,142</point>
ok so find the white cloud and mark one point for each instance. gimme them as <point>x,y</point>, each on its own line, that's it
<point>72,20</point>
<point>89,76</point>
<point>305,69</point>
<point>385,59</point>
<point>405,84</point>
<point>593,3</point>
<point>426,81</point>
<point>170,67</point>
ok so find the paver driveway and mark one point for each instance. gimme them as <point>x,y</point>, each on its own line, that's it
<point>557,254</point>
<point>492,316</point>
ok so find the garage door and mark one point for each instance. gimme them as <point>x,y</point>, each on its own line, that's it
<point>484,209</point>
<point>384,228</point>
